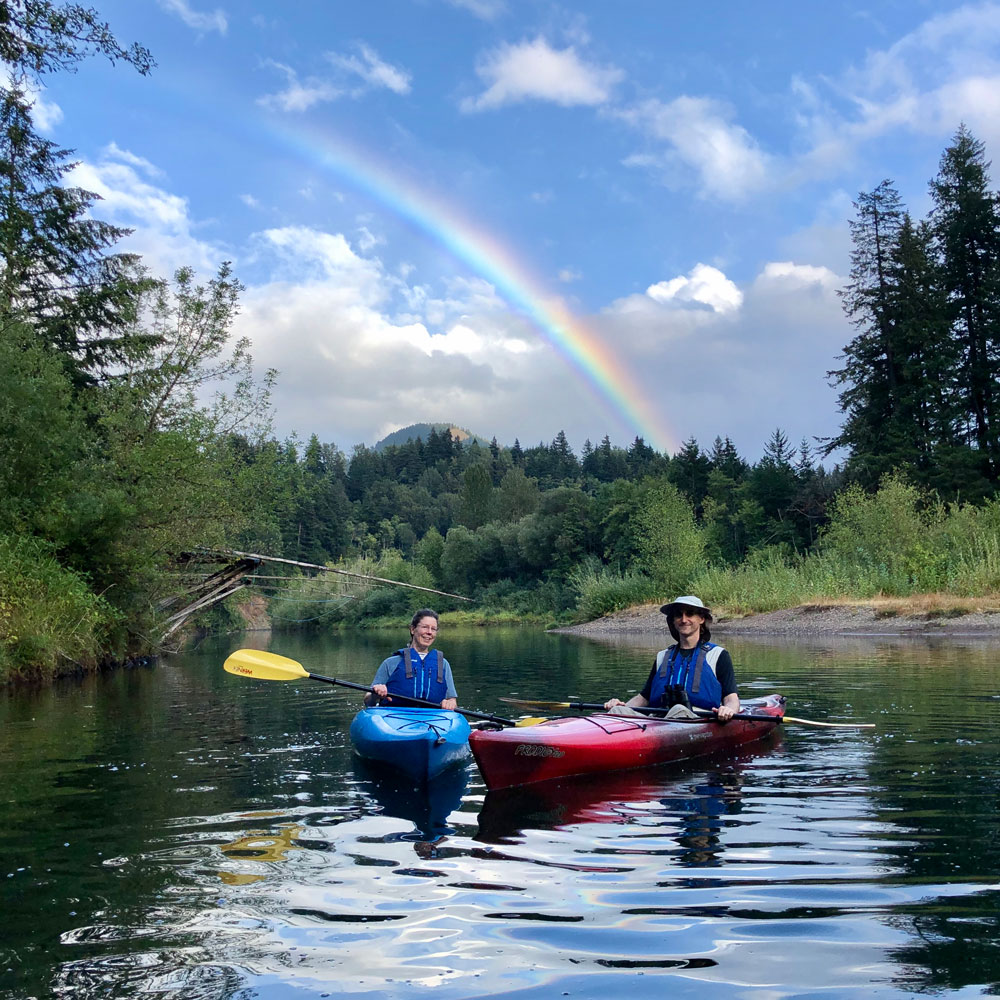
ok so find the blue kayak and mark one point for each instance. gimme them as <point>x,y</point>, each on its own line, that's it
<point>420,741</point>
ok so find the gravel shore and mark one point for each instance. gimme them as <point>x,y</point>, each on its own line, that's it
<point>808,620</point>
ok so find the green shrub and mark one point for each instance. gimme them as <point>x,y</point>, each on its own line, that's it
<point>602,590</point>
<point>50,621</point>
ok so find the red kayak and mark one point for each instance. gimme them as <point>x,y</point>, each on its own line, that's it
<point>598,743</point>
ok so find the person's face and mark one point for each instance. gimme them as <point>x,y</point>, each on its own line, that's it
<point>424,633</point>
<point>688,622</point>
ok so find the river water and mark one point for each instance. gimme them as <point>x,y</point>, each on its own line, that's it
<point>177,831</point>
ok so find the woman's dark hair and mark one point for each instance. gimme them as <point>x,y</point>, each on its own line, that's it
<point>421,614</point>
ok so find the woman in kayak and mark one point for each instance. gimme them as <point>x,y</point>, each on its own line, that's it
<point>416,671</point>
<point>693,672</point>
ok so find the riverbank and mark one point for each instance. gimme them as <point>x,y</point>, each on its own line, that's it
<point>928,614</point>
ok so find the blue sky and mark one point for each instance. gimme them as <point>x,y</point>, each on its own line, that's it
<point>678,177</point>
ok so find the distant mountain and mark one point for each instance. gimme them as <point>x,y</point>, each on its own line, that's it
<point>423,431</point>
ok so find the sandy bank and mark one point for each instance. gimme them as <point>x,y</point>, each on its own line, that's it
<point>884,618</point>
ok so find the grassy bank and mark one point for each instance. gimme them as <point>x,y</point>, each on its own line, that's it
<point>896,545</point>
<point>51,623</point>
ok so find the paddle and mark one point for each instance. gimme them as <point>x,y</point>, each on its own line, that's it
<point>597,706</point>
<point>264,666</point>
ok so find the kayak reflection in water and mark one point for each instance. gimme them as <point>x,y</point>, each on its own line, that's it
<point>415,671</point>
<point>694,672</point>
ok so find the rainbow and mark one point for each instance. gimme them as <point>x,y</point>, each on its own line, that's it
<point>570,336</point>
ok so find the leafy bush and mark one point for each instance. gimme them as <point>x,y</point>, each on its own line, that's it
<point>602,590</point>
<point>50,622</point>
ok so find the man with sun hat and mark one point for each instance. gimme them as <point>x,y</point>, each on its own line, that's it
<point>694,672</point>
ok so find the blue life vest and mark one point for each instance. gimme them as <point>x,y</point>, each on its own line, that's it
<point>419,678</point>
<point>694,672</point>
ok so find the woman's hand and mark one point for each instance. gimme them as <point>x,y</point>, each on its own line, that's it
<point>377,693</point>
<point>450,704</point>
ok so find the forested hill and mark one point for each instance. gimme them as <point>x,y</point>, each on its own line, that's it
<point>422,431</point>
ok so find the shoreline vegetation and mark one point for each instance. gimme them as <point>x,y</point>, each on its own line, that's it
<point>135,431</point>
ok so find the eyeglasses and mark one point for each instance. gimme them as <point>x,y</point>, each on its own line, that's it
<point>687,613</point>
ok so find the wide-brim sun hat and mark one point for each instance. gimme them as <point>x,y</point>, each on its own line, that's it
<point>689,601</point>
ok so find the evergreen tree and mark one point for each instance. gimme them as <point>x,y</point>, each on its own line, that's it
<point>564,464</point>
<point>966,224</point>
<point>870,373</point>
<point>641,459</point>
<point>726,459</point>
<point>689,470</point>
<point>56,269</point>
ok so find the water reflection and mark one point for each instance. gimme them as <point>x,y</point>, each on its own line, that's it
<point>427,805</point>
<point>688,800</point>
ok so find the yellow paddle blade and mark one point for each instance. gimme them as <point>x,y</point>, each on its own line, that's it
<point>531,720</point>
<point>263,666</point>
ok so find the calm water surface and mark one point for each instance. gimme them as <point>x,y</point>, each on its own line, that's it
<point>180,831</point>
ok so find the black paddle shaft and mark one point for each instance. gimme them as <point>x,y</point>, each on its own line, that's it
<point>468,713</point>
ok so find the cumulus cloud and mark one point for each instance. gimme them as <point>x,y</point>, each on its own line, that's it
<point>349,359</point>
<point>790,277</point>
<point>697,133</point>
<point>214,21</point>
<point>373,70</point>
<point>737,371</point>
<point>705,285</point>
<point>533,70</point>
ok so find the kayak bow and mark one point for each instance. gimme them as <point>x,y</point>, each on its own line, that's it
<point>421,742</point>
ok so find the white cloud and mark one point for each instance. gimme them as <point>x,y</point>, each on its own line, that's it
<point>698,134</point>
<point>372,69</point>
<point>488,10</point>
<point>302,94</point>
<point>944,72</point>
<point>736,371</point>
<point>298,95</point>
<point>45,114</point>
<point>250,201</point>
<point>347,361</point>
<point>164,231</point>
<point>568,275</point>
<point>214,21</point>
<point>535,71</point>
<point>785,276</point>
<point>705,285</point>
<point>367,240</point>
<point>114,152</point>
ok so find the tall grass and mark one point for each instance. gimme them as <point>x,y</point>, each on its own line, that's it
<point>896,542</point>
<point>50,621</point>
<point>602,590</point>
